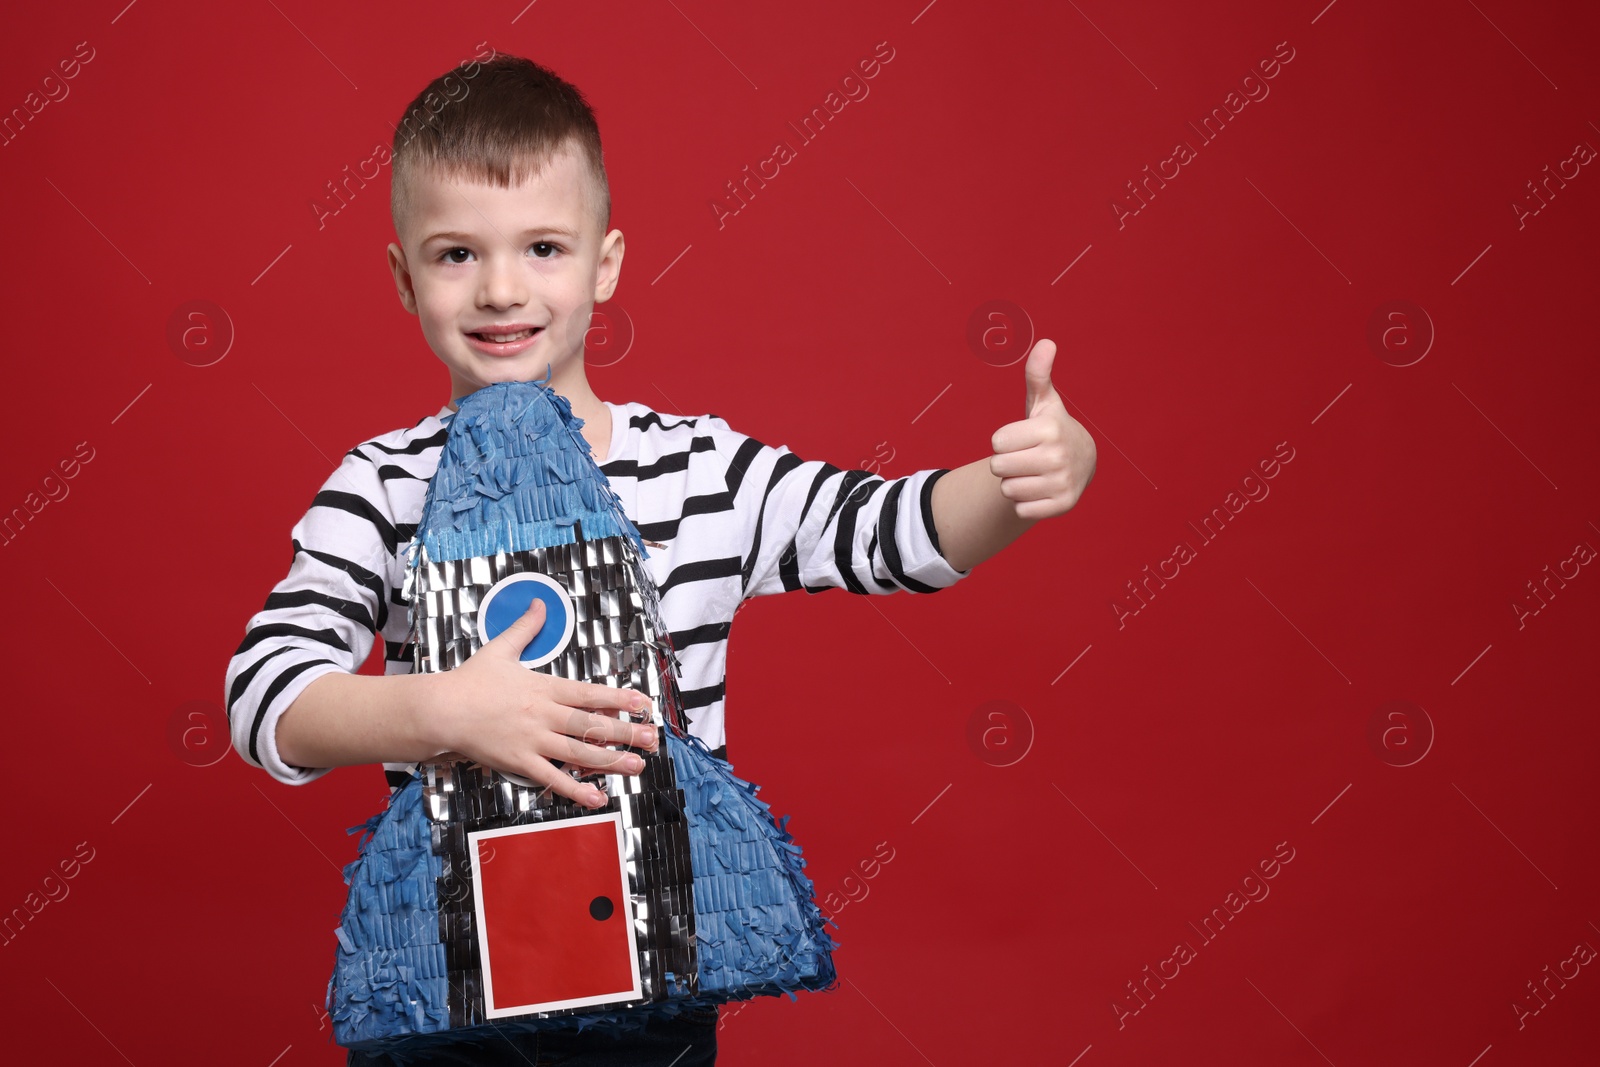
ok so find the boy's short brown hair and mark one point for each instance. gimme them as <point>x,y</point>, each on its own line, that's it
<point>497,122</point>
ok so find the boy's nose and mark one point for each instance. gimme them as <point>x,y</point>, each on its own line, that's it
<point>503,285</point>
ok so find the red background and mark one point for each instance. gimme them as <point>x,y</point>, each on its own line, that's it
<point>1181,747</point>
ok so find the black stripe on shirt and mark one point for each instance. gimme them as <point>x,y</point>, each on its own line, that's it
<point>704,504</point>
<point>389,472</point>
<point>698,635</point>
<point>849,509</point>
<point>415,448</point>
<point>362,576</point>
<point>789,562</point>
<point>927,509</point>
<point>700,698</point>
<point>242,682</point>
<point>361,508</point>
<point>301,597</point>
<point>667,464</point>
<point>644,422</point>
<point>271,694</point>
<point>891,549</point>
<point>700,571</point>
<point>786,463</point>
<point>740,462</point>
<point>260,633</point>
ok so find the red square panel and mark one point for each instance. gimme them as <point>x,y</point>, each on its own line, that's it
<point>553,916</point>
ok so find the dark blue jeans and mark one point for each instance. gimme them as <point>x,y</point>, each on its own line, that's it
<point>690,1040</point>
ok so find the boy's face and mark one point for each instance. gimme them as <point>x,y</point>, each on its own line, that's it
<point>481,264</point>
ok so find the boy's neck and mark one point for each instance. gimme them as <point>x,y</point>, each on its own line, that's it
<point>591,409</point>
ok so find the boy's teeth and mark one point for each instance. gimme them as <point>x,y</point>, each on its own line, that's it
<point>506,338</point>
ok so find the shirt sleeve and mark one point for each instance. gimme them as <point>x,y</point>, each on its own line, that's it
<point>816,526</point>
<point>323,617</point>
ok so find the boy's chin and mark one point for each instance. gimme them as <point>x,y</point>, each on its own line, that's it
<point>510,371</point>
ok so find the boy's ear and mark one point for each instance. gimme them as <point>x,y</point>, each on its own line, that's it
<point>611,250</point>
<point>402,277</point>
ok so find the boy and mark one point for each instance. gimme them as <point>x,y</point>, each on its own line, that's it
<point>502,211</point>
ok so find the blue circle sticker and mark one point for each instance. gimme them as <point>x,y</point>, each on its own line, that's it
<point>511,597</point>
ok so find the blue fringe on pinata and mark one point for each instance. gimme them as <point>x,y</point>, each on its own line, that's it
<point>746,865</point>
<point>390,966</point>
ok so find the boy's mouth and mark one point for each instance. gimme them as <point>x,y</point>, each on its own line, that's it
<point>506,337</point>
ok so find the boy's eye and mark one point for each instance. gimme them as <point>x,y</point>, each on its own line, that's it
<point>451,252</point>
<point>544,244</point>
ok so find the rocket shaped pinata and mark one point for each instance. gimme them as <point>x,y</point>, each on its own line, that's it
<point>481,903</point>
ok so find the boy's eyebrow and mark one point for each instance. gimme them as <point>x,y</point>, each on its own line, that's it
<point>452,236</point>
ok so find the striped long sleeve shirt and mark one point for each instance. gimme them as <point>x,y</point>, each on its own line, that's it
<point>738,518</point>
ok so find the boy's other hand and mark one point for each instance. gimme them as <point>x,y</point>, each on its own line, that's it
<point>1047,460</point>
<point>495,711</point>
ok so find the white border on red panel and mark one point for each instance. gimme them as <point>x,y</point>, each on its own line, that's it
<point>624,911</point>
<point>542,579</point>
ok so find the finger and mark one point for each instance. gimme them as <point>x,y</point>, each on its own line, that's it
<point>603,729</point>
<point>1018,490</point>
<point>1036,372</point>
<point>553,780</point>
<point>595,760</point>
<point>1037,509</point>
<point>575,694</point>
<point>524,628</point>
<point>1016,436</point>
<point>1022,463</point>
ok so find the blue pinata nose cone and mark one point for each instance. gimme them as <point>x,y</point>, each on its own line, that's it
<point>516,474</point>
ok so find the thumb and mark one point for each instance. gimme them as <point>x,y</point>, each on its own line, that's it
<point>1037,373</point>
<point>526,627</point>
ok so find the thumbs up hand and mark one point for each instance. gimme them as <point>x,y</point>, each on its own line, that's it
<point>1047,460</point>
